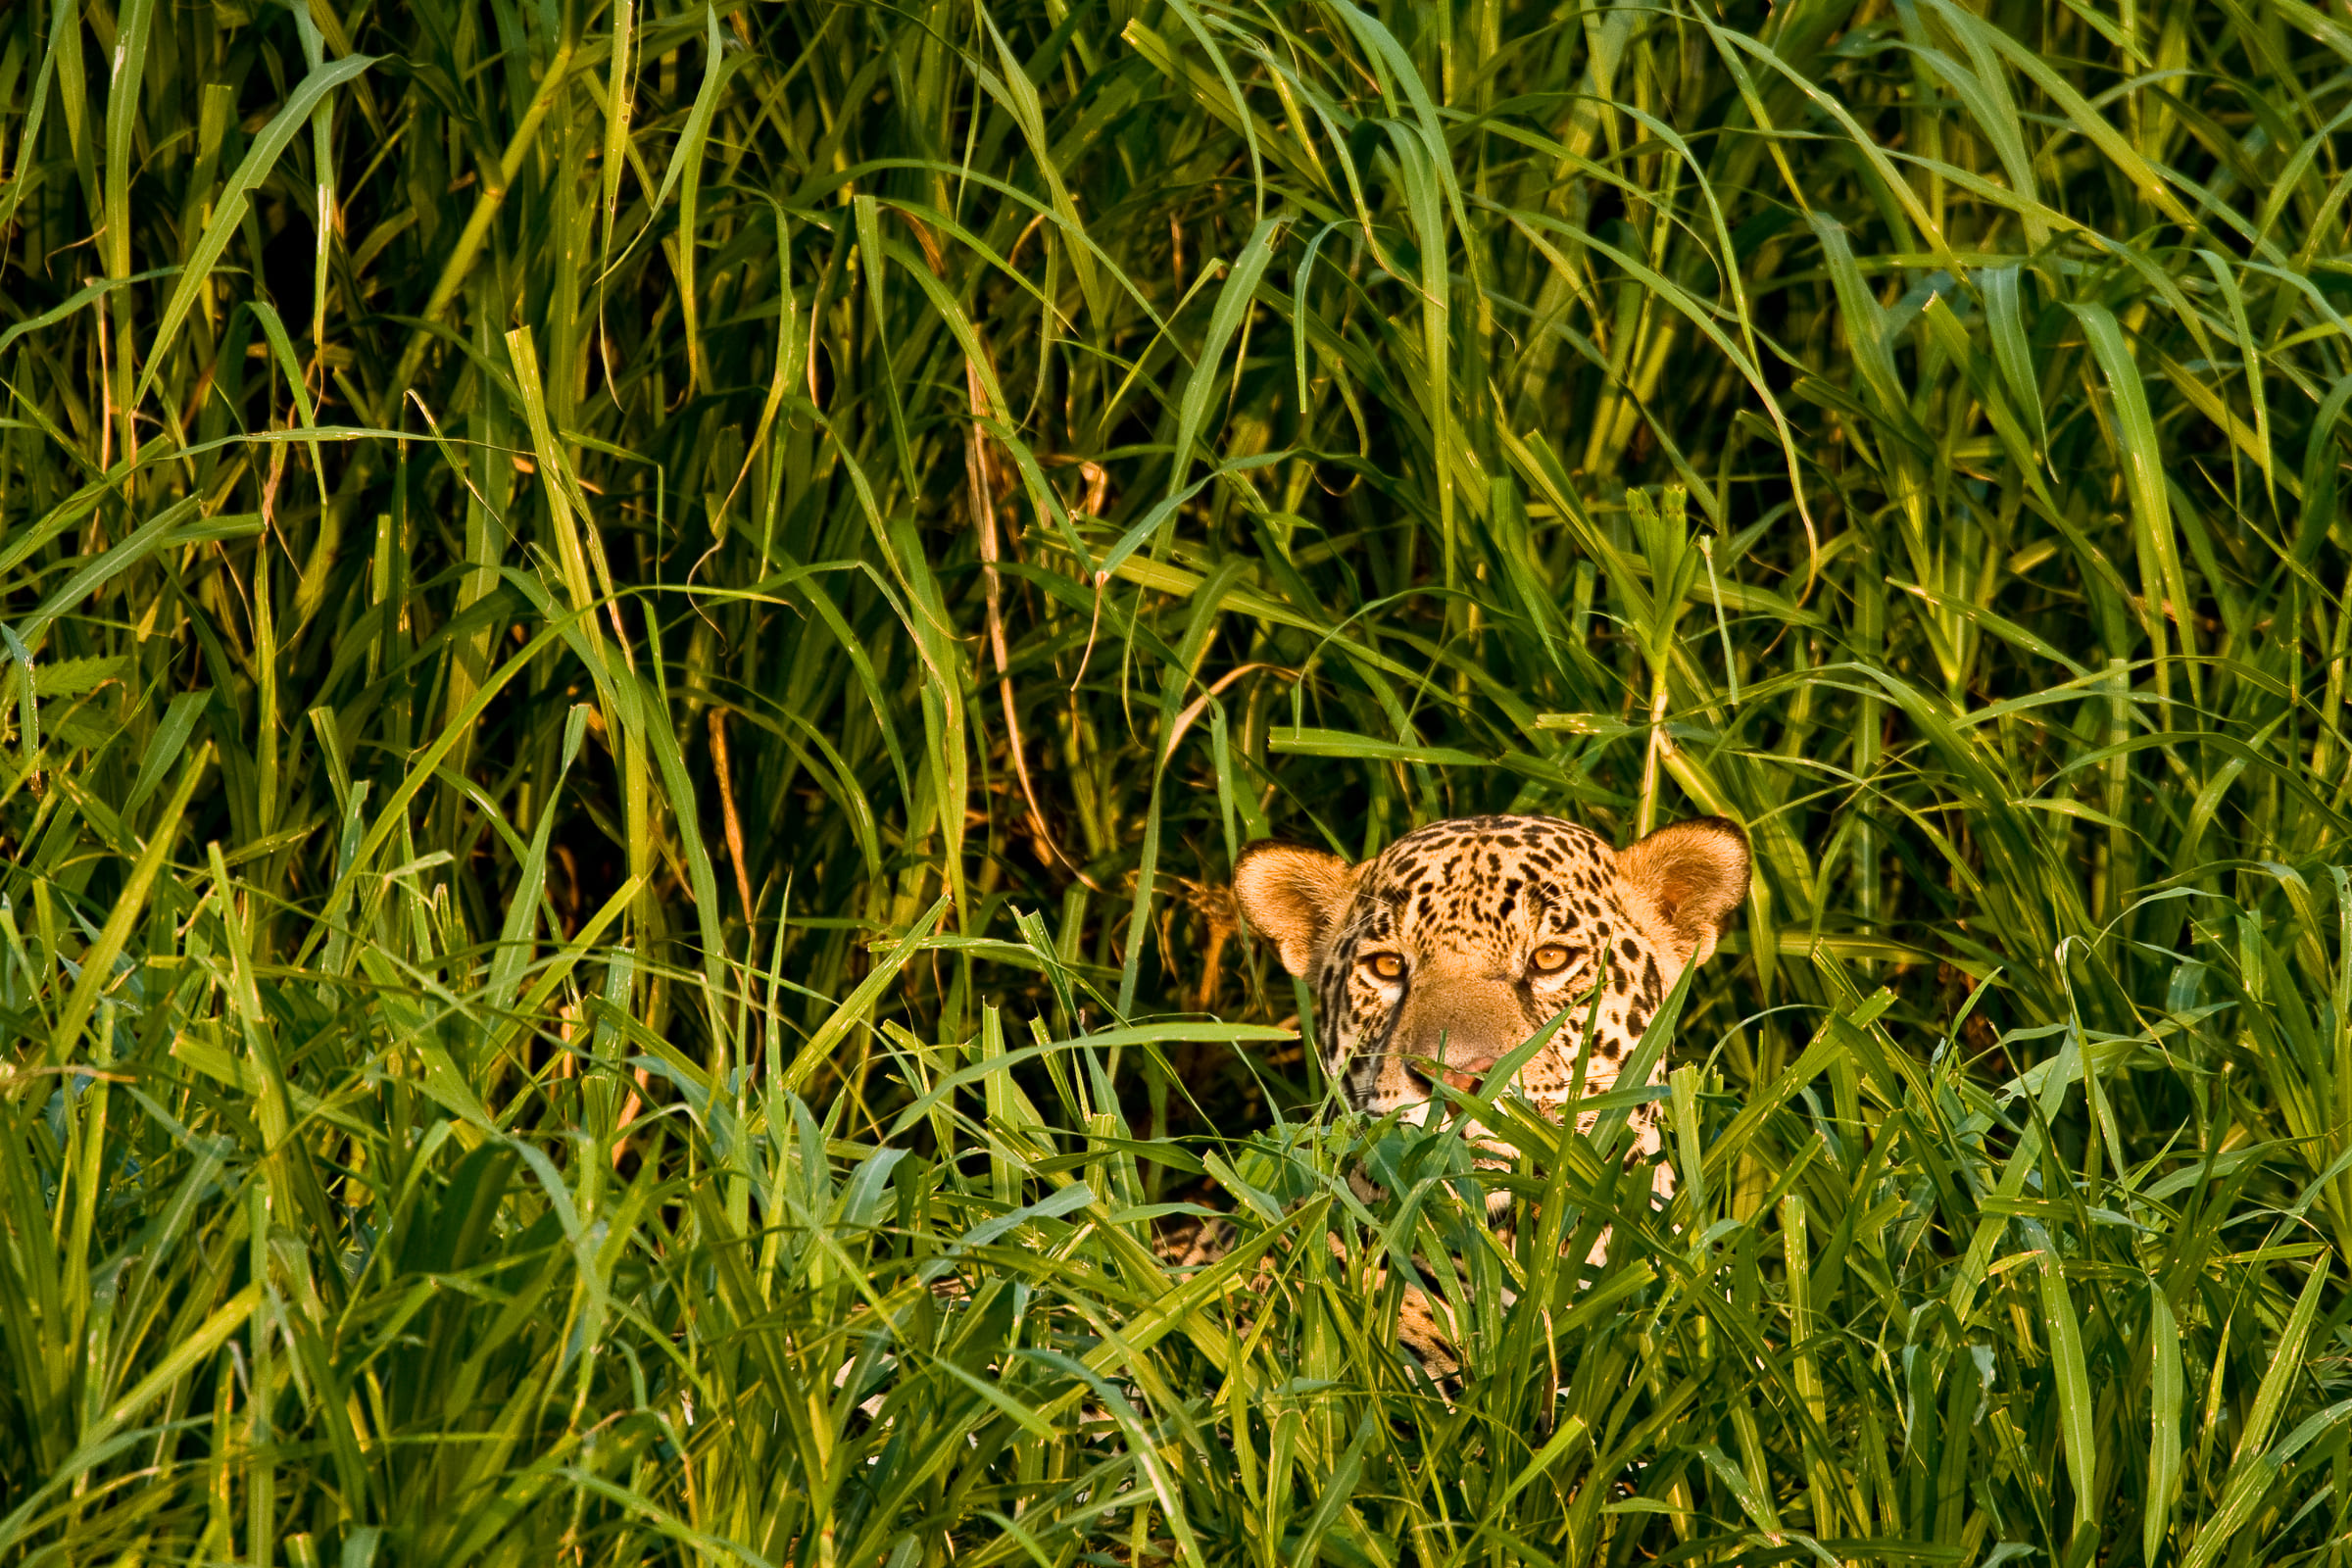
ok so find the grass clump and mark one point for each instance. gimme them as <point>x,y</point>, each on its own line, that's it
<point>637,641</point>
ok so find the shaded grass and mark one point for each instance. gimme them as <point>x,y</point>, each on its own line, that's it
<point>619,760</point>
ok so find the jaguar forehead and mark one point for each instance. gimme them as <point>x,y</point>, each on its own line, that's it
<point>1479,884</point>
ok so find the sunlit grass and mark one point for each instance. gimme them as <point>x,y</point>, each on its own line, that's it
<point>617,766</point>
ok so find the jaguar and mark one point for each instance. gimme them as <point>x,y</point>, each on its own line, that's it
<point>1453,946</point>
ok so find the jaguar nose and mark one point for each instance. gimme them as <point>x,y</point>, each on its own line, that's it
<point>1455,1027</point>
<point>1460,1065</point>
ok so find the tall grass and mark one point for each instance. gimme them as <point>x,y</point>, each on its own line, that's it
<point>635,644</point>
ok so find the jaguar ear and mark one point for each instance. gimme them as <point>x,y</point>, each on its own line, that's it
<point>1695,875</point>
<point>1292,895</point>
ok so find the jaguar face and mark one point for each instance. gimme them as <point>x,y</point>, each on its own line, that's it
<point>1459,942</point>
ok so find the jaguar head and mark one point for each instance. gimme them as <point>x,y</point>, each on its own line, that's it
<point>1452,946</point>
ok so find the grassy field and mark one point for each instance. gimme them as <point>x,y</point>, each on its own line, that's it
<point>635,644</point>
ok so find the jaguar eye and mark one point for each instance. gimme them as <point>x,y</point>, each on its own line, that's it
<point>1550,958</point>
<point>1383,966</point>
